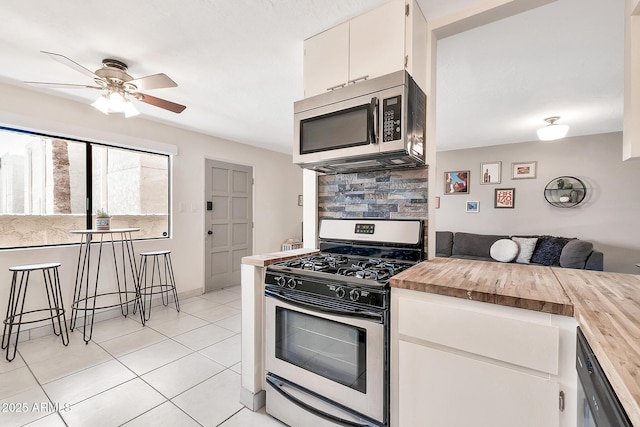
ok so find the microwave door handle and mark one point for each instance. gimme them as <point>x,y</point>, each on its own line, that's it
<point>373,116</point>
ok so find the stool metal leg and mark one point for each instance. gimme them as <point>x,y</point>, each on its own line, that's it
<point>139,304</point>
<point>17,300</point>
<point>169,266</point>
<point>10,312</point>
<point>56,306</point>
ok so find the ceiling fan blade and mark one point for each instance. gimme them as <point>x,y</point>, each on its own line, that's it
<point>162,103</point>
<point>63,85</point>
<point>72,64</point>
<point>156,81</point>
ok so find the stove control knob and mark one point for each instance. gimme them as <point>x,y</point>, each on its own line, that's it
<point>291,283</point>
<point>354,295</point>
<point>340,292</point>
<point>279,280</point>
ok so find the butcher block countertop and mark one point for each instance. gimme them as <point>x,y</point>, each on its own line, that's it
<point>605,305</point>
<point>515,285</point>
<point>607,308</point>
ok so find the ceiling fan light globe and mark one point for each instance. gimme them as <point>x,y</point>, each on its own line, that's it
<point>130,110</point>
<point>101,104</point>
<point>116,102</point>
<point>552,132</point>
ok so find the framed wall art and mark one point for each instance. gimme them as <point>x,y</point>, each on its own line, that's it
<point>524,170</point>
<point>490,172</point>
<point>473,206</point>
<point>505,198</point>
<point>456,182</point>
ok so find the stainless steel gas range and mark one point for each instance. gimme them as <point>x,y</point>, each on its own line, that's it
<point>327,324</point>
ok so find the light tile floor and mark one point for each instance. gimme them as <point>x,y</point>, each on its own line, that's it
<point>180,369</point>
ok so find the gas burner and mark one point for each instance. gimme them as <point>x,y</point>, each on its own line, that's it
<point>379,275</point>
<point>321,262</point>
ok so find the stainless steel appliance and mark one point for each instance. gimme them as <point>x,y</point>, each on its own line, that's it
<point>598,405</point>
<point>378,123</point>
<point>327,324</point>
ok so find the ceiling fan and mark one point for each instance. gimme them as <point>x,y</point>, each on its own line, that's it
<point>118,86</point>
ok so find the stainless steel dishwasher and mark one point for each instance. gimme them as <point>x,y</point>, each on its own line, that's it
<point>598,405</point>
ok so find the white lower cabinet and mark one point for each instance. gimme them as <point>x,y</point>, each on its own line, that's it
<point>451,390</point>
<point>462,363</point>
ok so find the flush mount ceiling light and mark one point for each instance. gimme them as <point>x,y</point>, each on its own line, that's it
<point>118,87</point>
<point>552,131</point>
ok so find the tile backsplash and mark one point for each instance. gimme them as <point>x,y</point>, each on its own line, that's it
<point>389,194</point>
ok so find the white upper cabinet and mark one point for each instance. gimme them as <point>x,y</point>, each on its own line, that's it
<point>376,43</point>
<point>326,60</point>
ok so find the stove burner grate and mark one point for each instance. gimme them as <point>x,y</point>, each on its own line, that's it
<point>321,262</point>
<point>376,269</point>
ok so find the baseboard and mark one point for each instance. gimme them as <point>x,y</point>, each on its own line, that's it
<point>251,400</point>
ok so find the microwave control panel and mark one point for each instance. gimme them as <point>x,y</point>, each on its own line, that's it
<point>391,118</point>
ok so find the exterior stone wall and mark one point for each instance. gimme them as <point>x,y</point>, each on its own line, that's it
<point>37,230</point>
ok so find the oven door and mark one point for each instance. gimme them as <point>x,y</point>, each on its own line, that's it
<point>338,357</point>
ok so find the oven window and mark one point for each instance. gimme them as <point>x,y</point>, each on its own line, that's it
<point>346,128</point>
<point>333,350</point>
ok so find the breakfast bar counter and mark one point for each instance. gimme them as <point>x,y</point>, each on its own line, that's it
<point>605,305</point>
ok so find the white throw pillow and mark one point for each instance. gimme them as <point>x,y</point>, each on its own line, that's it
<point>504,250</point>
<point>527,246</point>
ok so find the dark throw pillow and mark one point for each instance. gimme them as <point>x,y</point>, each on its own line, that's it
<point>575,254</point>
<point>444,243</point>
<point>548,250</point>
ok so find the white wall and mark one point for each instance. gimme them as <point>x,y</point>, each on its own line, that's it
<point>608,217</point>
<point>277,215</point>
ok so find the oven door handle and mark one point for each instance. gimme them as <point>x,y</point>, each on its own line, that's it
<point>362,314</point>
<point>277,386</point>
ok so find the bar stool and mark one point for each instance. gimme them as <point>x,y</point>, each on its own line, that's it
<point>163,287</point>
<point>17,298</point>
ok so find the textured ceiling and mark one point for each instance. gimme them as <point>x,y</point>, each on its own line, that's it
<point>238,64</point>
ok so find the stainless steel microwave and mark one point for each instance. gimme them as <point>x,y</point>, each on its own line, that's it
<point>375,124</point>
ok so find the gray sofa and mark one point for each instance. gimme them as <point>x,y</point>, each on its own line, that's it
<point>549,250</point>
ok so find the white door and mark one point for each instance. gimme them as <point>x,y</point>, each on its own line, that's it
<point>229,216</point>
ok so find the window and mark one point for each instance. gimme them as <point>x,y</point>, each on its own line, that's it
<point>45,189</point>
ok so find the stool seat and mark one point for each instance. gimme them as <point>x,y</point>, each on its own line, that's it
<point>32,267</point>
<point>16,310</point>
<point>154,283</point>
<point>152,253</point>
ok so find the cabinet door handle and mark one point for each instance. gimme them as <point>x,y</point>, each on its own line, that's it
<point>329,89</point>
<point>357,79</point>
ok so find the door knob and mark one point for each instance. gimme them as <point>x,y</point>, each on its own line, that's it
<point>210,233</point>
